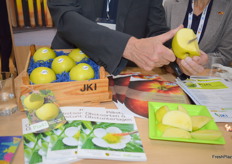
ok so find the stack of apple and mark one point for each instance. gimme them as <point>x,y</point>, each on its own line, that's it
<point>44,111</point>
<point>179,124</point>
<point>60,64</point>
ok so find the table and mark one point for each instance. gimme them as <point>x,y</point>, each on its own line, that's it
<point>157,151</point>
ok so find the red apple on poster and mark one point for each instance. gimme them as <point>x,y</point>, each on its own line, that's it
<point>111,86</point>
<point>121,85</point>
<point>138,99</point>
<point>139,107</point>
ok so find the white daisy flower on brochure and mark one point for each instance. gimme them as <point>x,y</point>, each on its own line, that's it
<point>111,137</point>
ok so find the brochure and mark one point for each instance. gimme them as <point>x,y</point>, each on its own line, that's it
<point>42,111</point>
<point>108,133</point>
<point>48,147</point>
<point>134,92</point>
<point>90,132</point>
<point>215,93</point>
<point>8,148</point>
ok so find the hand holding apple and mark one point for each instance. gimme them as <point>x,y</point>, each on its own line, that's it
<point>149,53</point>
<point>195,65</point>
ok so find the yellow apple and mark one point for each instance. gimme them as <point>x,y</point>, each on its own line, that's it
<point>178,119</point>
<point>44,54</point>
<point>47,112</point>
<point>62,63</point>
<point>33,101</point>
<point>42,75</point>
<point>184,45</point>
<point>77,55</point>
<point>82,71</point>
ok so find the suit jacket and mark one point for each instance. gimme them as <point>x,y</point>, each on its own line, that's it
<point>217,39</point>
<point>76,27</point>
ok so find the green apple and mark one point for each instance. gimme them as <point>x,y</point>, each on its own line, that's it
<point>44,54</point>
<point>62,63</point>
<point>82,71</point>
<point>33,101</point>
<point>47,112</point>
<point>42,75</point>
<point>77,55</point>
<point>184,44</point>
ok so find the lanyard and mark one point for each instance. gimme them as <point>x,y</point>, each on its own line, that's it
<point>108,9</point>
<point>202,21</point>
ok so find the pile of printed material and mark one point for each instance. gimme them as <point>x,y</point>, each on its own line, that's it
<point>90,132</point>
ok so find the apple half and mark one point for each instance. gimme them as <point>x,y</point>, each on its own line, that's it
<point>184,44</point>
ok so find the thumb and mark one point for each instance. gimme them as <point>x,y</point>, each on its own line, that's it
<point>169,35</point>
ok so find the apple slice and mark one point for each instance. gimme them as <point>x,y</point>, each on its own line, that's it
<point>176,133</point>
<point>199,121</point>
<point>161,127</point>
<point>182,109</point>
<point>206,134</point>
<point>184,45</point>
<point>178,119</point>
<point>161,112</point>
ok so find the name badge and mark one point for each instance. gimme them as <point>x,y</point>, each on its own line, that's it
<point>109,23</point>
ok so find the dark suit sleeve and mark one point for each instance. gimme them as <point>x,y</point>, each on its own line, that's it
<point>103,45</point>
<point>156,20</point>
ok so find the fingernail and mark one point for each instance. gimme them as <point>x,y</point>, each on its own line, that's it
<point>188,59</point>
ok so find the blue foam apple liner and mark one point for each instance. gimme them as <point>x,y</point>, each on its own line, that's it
<point>63,77</point>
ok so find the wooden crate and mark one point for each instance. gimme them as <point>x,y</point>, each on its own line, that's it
<point>70,93</point>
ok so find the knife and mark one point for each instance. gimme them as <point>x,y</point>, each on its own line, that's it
<point>190,41</point>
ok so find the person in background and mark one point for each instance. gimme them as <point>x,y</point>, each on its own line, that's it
<point>211,20</point>
<point>113,32</point>
<point>5,37</point>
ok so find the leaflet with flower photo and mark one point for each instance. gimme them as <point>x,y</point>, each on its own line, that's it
<point>48,147</point>
<point>69,136</point>
<point>90,132</point>
<point>107,134</point>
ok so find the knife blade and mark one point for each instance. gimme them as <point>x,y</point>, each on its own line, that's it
<point>190,41</point>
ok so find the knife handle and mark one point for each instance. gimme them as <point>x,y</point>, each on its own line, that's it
<point>178,71</point>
